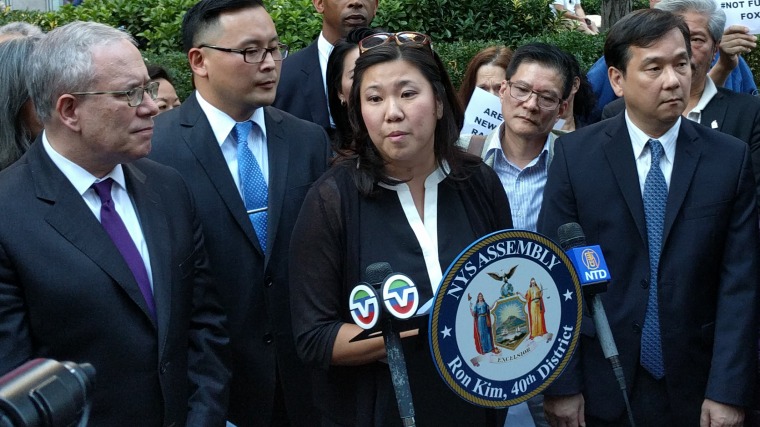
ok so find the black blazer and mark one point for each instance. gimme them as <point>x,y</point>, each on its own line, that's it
<point>737,114</point>
<point>67,293</point>
<point>254,284</point>
<point>301,91</point>
<point>708,274</point>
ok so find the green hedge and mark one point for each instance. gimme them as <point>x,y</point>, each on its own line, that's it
<point>459,29</point>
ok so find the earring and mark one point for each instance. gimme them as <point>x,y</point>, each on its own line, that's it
<point>342,102</point>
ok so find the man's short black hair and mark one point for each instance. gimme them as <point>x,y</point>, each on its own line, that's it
<point>641,28</point>
<point>205,14</point>
<point>547,55</point>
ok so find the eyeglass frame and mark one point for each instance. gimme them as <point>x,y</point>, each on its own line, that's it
<point>282,47</point>
<point>394,36</point>
<point>539,96</point>
<point>140,89</point>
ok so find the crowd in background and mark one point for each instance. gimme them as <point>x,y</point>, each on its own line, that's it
<point>222,234</point>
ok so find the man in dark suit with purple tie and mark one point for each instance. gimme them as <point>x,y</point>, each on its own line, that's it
<point>101,251</point>
<point>672,204</point>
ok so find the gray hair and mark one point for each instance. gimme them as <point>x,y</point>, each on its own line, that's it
<point>20,28</point>
<point>15,136</point>
<point>62,62</point>
<point>716,17</point>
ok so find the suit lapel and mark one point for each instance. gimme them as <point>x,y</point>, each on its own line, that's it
<point>153,222</point>
<point>715,111</point>
<point>200,139</point>
<point>684,166</point>
<point>70,216</point>
<point>315,88</point>
<point>278,148</point>
<point>619,153</point>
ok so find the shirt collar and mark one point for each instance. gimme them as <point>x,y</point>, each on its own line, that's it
<point>707,95</point>
<point>495,149</point>
<point>639,139</point>
<point>324,47</point>
<point>222,124</point>
<point>77,175</point>
<point>435,178</point>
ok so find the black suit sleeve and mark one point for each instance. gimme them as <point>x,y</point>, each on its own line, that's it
<point>558,208</point>
<point>731,372</point>
<point>208,338</point>
<point>15,339</point>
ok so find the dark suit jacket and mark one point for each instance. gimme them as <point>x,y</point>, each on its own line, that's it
<point>254,284</point>
<point>737,114</point>
<point>67,293</point>
<point>708,274</point>
<point>301,91</point>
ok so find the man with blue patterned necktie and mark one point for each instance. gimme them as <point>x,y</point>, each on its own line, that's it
<point>249,166</point>
<point>672,204</point>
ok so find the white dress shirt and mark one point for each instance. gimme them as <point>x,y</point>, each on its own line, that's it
<point>83,181</point>
<point>222,125</point>
<point>425,230</point>
<point>642,154</point>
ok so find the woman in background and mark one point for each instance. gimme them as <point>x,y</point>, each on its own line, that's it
<point>486,70</point>
<point>339,76</point>
<point>167,97</point>
<point>19,125</point>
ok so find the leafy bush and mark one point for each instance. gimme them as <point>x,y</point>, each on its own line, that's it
<point>586,48</point>
<point>297,22</point>
<point>175,63</point>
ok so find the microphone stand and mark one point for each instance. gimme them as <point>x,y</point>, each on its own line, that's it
<point>397,365</point>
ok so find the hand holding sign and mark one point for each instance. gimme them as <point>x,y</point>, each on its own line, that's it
<point>740,13</point>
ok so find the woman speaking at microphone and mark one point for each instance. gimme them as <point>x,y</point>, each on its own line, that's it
<point>403,194</point>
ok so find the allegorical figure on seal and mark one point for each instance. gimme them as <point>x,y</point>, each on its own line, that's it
<point>481,312</point>
<point>534,296</point>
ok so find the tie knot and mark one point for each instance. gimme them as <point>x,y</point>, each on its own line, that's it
<point>655,147</point>
<point>103,190</point>
<point>242,130</point>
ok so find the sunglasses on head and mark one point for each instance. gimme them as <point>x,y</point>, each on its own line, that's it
<point>401,38</point>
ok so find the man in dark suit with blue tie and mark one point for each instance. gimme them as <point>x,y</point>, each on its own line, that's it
<point>101,251</point>
<point>737,114</point>
<point>302,91</point>
<point>672,204</point>
<point>249,167</point>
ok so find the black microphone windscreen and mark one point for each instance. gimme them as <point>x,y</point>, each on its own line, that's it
<point>377,272</point>
<point>571,235</point>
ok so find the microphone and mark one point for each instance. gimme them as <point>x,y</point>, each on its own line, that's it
<point>44,392</point>
<point>594,277</point>
<point>400,299</point>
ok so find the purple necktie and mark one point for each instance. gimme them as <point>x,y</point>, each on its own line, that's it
<point>115,228</point>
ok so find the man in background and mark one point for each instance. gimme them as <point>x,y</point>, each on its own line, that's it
<point>303,90</point>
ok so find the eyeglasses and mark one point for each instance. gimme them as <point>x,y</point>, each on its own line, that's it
<point>255,55</point>
<point>522,93</point>
<point>404,37</point>
<point>134,96</point>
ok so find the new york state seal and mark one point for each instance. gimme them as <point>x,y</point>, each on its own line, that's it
<point>506,318</point>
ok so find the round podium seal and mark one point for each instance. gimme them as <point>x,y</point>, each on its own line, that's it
<point>506,318</point>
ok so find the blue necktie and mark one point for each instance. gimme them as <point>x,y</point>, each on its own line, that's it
<point>252,183</point>
<point>655,199</point>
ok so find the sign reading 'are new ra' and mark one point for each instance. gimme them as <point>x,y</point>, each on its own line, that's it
<point>506,318</point>
<point>483,114</point>
<point>742,12</point>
